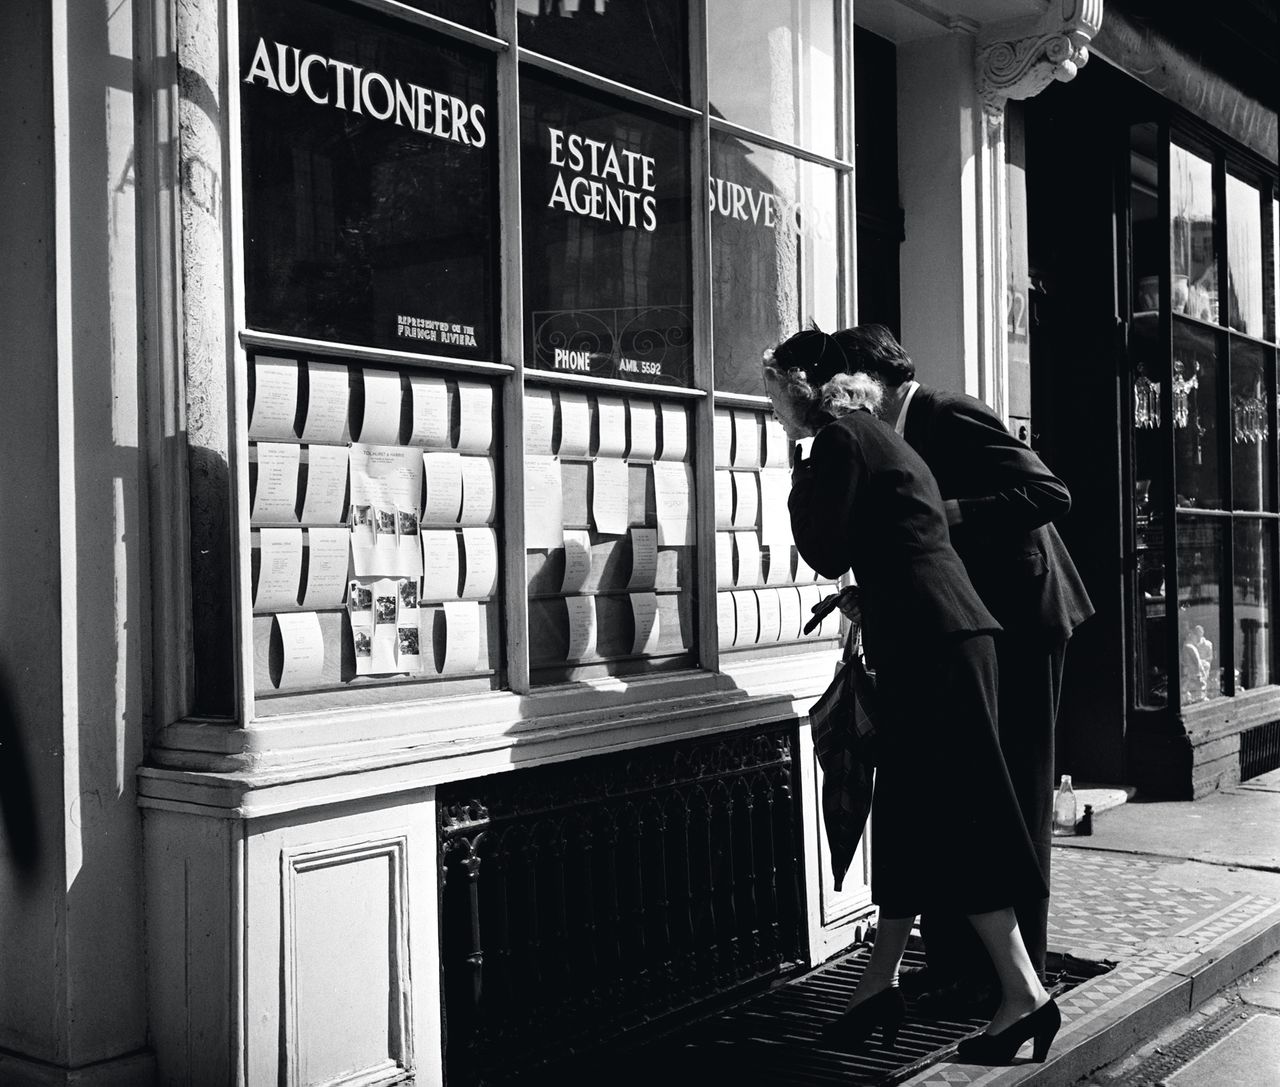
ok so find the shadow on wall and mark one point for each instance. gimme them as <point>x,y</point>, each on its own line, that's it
<point>17,804</point>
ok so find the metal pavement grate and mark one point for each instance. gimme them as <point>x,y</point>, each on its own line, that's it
<point>1259,750</point>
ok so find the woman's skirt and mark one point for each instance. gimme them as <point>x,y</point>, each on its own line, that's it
<point>947,833</point>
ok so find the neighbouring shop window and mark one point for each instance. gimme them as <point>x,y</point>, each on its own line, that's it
<point>642,43</point>
<point>607,244</point>
<point>1193,244</point>
<point>775,254</point>
<point>772,68</point>
<point>1244,257</point>
<point>369,181</point>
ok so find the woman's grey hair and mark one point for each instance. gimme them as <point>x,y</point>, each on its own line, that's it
<point>841,395</point>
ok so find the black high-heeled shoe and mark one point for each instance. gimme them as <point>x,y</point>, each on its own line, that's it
<point>1041,1025</point>
<point>886,1010</point>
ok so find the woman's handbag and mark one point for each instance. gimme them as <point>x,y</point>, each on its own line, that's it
<point>843,725</point>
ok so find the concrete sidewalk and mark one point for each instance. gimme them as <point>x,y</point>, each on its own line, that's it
<point>1183,897</point>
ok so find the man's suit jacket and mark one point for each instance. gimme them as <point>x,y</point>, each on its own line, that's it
<point>1008,500</point>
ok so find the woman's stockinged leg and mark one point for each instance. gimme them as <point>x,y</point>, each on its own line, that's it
<point>1020,990</point>
<point>886,956</point>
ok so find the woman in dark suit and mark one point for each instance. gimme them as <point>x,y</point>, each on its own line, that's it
<point>948,831</point>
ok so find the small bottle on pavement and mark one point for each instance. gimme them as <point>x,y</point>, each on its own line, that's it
<point>1064,808</point>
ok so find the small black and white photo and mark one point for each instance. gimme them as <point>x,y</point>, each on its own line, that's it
<point>359,597</point>
<point>384,609</point>
<point>408,592</point>
<point>363,641</point>
<point>408,522</point>
<point>407,639</point>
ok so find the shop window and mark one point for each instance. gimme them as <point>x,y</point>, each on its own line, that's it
<point>775,254</point>
<point>772,68</point>
<point>477,14</point>
<point>642,43</point>
<point>1203,438</point>
<point>369,171</point>
<point>607,237</point>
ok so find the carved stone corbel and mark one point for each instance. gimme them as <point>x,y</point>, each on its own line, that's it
<point>1019,58</point>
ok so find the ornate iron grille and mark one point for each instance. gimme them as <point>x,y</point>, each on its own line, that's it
<point>1259,750</point>
<point>589,898</point>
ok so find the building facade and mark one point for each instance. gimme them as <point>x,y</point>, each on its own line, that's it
<point>409,674</point>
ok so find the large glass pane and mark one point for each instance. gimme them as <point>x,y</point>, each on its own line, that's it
<point>643,43</point>
<point>607,245</point>
<point>1144,212</point>
<point>1244,257</point>
<point>775,254</point>
<point>771,67</point>
<point>472,13</point>
<point>1200,562</point>
<point>1254,594</point>
<point>369,180</point>
<point>1275,269</point>
<point>1194,251</point>
<point>1253,410</point>
<point>1195,416</point>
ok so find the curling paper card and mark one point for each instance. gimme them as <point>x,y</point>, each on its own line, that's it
<point>611,426</point>
<point>480,560</point>
<point>389,477</point>
<point>539,422</point>
<point>770,611</point>
<point>724,559</point>
<point>430,403</point>
<point>775,517</point>
<point>326,567</point>
<point>672,486</point>
<point>643,432</point>
<point>303,645</point>
<point>543,503</point>
<point>789,621</point>
<point>724,439</point>
<point>644,614</point>
<point>475,417</point>
<point>726,619</point>
<point>644,558</point>
<point>443,503</point>
<point>275,398</point>
<point>381,422</point>
<point>582,627</point>
<point>328,398</point>
<point>675,432</point>
<point>609,496</point>
<point>462,636</point>
<point>746,499</point>
<point>777,446</point>
<point>778,564</point>
<point>746,439</point>
<point>747,549</point>
<point>326,485</point>
<point>747,614</point>
<point>276,495</point>
<point>479,491</point>
<point>577,560</point>
<point>575,425</point>
<point>279,568</point>
<point>809,596</point>
<point>805,574</point>
<point>440,567</point>
<point>724,499</point>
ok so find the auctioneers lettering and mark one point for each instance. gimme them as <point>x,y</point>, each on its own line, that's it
<point>330,82</point>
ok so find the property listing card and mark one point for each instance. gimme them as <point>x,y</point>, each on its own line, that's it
<point>610,495</point>
<point>279,568</point>
<point>746,499</point>
<point>440,564</point>
<point>642,421</point>
<point>724,559</point>
<point>475,417</point>
<point>724,438</point>
<point>479,491</point>
<point>443,474</point>
<point>575,425</point>
<point>303,645</point>
<point>777,446</point>
<point>328,400</point>
<point>429,401</point>
<point>775,516</point>
<point>747,551</point>
<point>539,422</point>
<point>480,561</point>
<point>724,498</point>
<point>275,497</point>
<point>777,564</point>
<point>644,558</point>
<point>543,503</point>
<point>770,611</point>
<point>726,620</point>
<point>275,398</point>
<point>575,487</point>
<point>790,619</point>
<point>380,424</point>
<point>675,432</point>
<point>327,550</point>
<point>644,614</point>
<point>582,627</point>
<point>746,617</point>
<point>462,636</point>
<point>326,492</point>
<point>805,573</point>
<point>408,544</point>
<point>746,439</point>
<point>611,427</point>
<point>673,486</point>
<point>577,560</point>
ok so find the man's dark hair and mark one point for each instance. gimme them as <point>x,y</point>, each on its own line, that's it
<point>872,349</point>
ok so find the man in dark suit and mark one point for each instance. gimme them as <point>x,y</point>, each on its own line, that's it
<point>1000,500</point>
